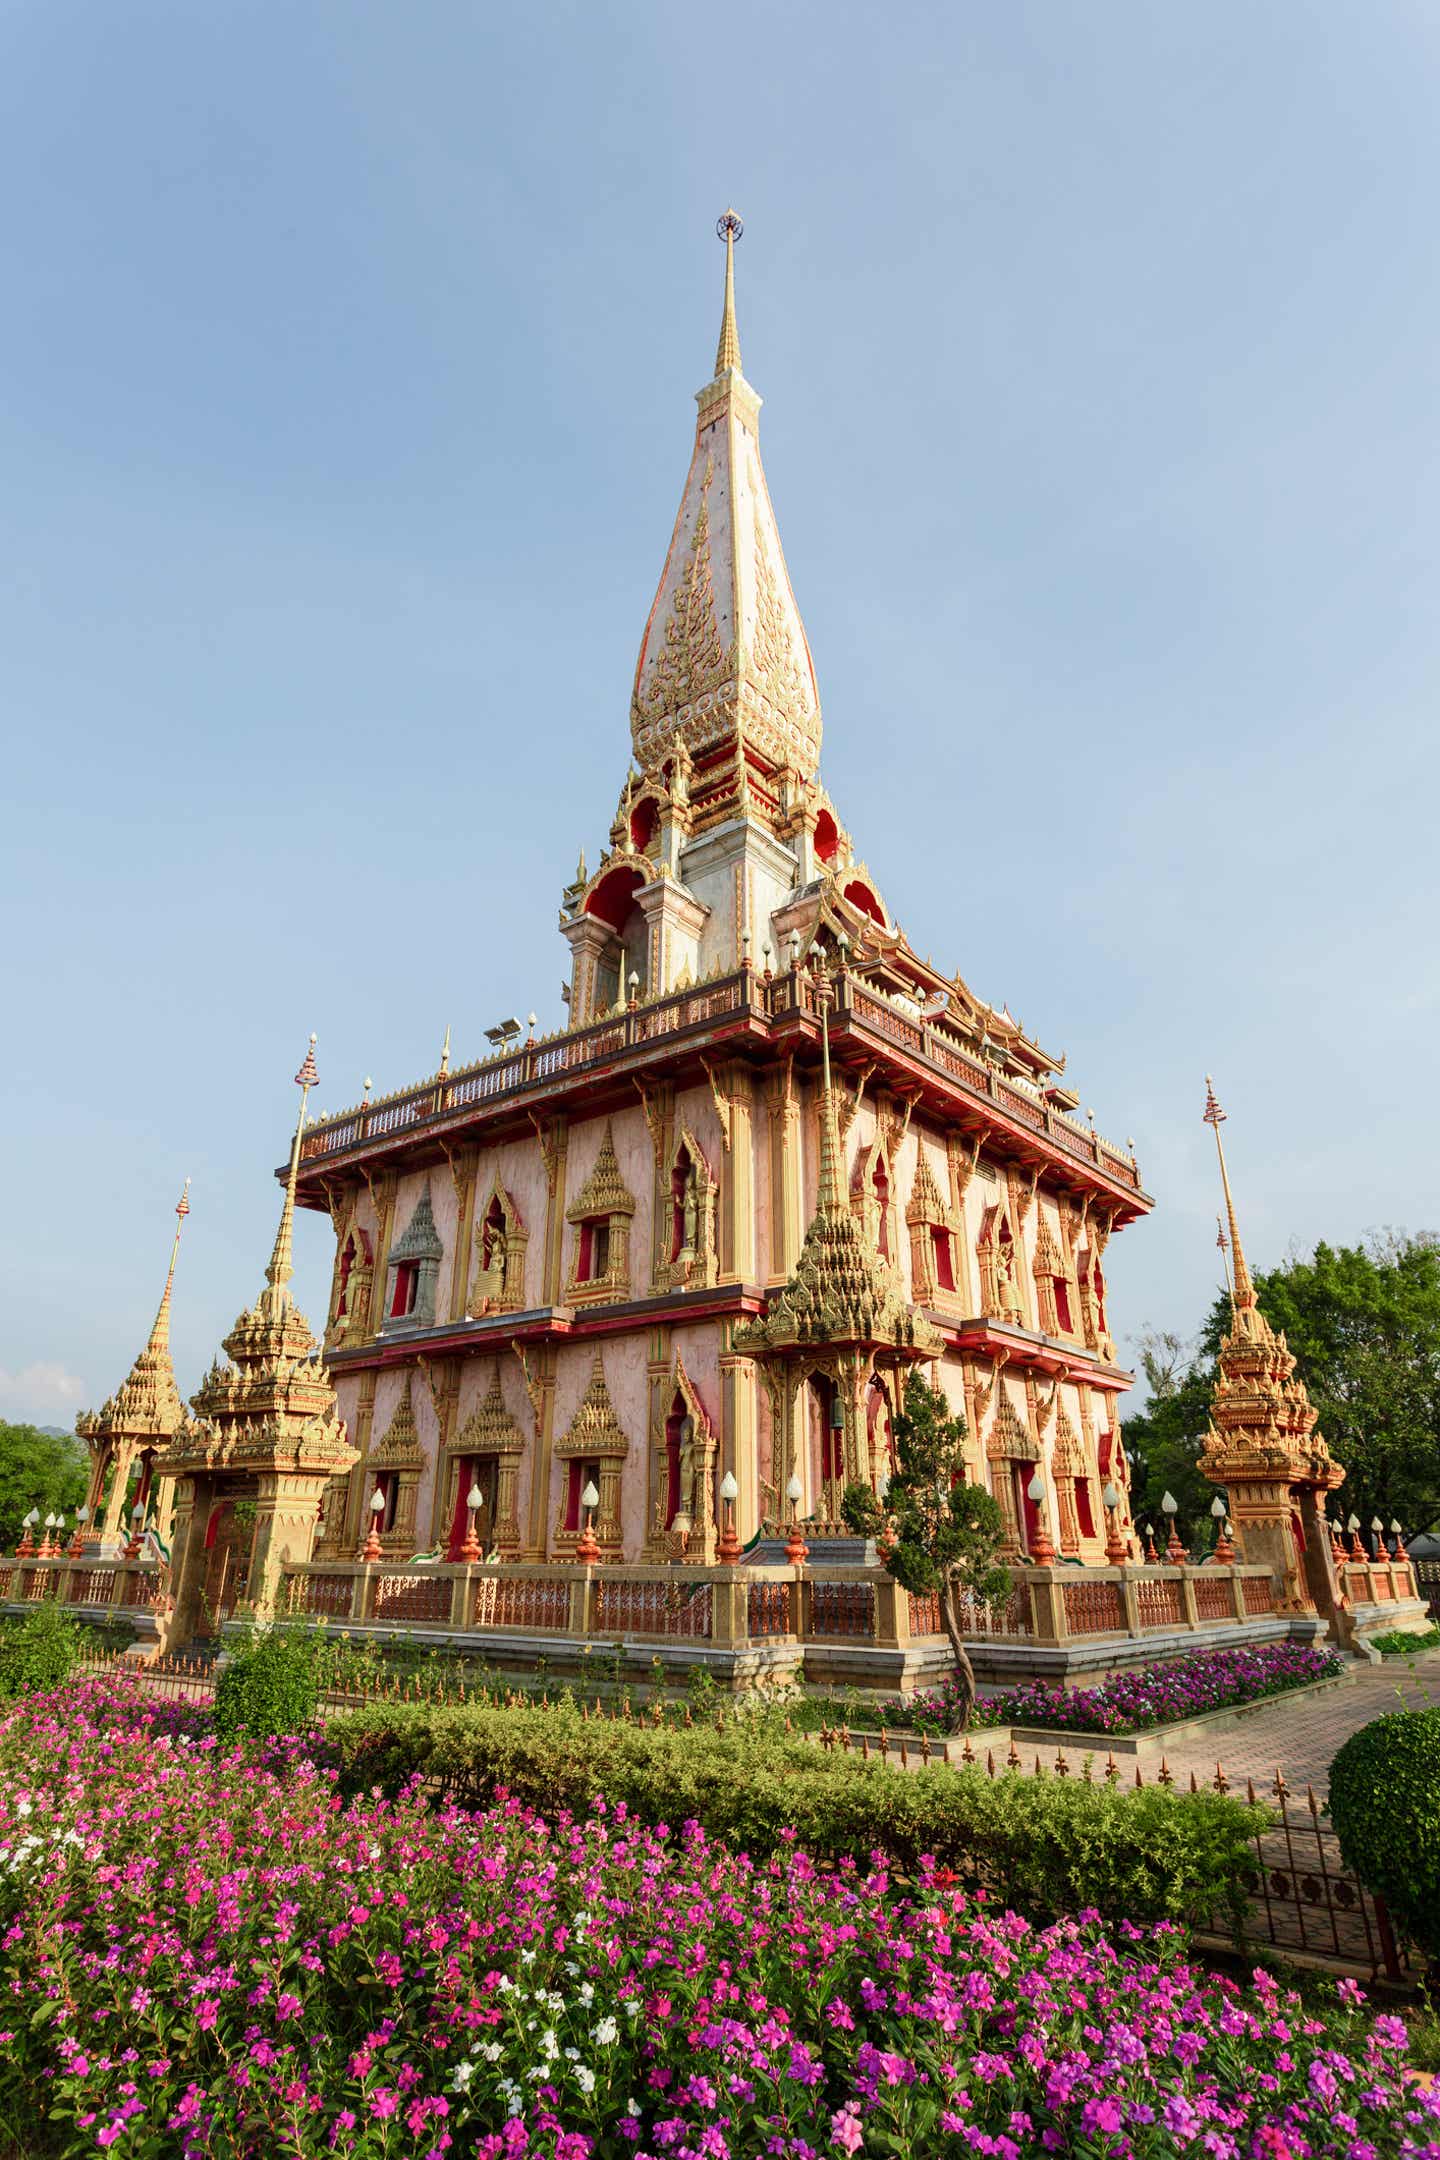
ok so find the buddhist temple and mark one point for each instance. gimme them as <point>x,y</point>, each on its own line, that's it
<point>131,1431</point>
<point>773,1161</point>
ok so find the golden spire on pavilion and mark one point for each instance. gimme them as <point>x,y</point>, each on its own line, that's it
<point>282,1265</point>
<point>727,353</point>
<point>1242,1290</point>
<point>160,1333</point>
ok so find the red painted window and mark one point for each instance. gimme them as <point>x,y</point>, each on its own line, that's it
<point>672,1460</point>
<point>581,1475</point>
<point>882,1205</point>
<point>593,1260</point>
<point>944,1257</point>
<point>1062,1305</point>
<point>403,1299</point>
<point>1084,1512</point>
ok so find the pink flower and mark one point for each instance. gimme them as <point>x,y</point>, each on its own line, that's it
<point>845,2130</point>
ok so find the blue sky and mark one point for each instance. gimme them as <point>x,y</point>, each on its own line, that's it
<point>345,401</point>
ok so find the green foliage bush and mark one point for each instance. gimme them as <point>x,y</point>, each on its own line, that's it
<point>271,1686</point>
<point>1385,1805</point>
<point>38,1653</point>
<point>1043,1845</point>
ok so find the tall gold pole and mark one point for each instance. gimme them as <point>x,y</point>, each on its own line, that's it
<point>281,1266</point>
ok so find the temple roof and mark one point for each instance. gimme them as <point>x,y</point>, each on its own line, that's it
<point>724,649</point>
<point>147,1404</point>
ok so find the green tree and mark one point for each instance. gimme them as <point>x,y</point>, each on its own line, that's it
<point>37,1469</point>
<point>936,1533</point>
<point>1363,1324</point>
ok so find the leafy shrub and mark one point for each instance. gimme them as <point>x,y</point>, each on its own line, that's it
<point>1145,1695</point>
<point>1043,1845</point>
<point>1385,1805</point>
<point>202,1955</point>
<point>38,1653</point>
<point>271,1687</point>
<point>1399,1644</point>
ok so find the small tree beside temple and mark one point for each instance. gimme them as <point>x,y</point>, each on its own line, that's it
<point>935,1532</point>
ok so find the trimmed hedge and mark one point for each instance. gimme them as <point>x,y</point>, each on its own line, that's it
<point>1043,1845</point>
<point>1385,1805</point>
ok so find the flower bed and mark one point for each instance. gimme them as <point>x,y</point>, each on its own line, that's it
<point>1146,1695</point>
<point>204,1955</point>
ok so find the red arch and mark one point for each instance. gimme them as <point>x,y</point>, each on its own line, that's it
<point>614,896</point>
<point>860,895</point>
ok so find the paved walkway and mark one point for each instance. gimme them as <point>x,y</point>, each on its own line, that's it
<point>1299,1735</point>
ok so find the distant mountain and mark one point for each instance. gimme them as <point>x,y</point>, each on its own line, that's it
<point>57,1432</point>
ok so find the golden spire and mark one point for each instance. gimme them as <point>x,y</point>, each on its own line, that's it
<point>160,1333</point>
<point>827,1194</point>
<point>1242,1290</point>
<point>727,355</point>
<point>281,1266</point>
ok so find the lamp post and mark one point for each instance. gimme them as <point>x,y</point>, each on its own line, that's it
<point>27,1542</point>
<point>470,1544</point>
<point>1042,1552</point>
<point>137,1525</point>
<point>370,1550</point>
<point>1224,1550</point>
<point>1377,1531</point>
<point>1115,1552</point>
<point>77,1541</point>
<point>797,1552</point>
<point>1396,1533</point>
<point>1174,1550</point>
<point>1151,1556</point>
<point>48,1546</point>
<point>587,1548</point>
<point>1357,1550</point>
<point>727,1552</point>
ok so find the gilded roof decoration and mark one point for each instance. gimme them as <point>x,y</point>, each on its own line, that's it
<point>1010,1437</point>
<point>490,1429</point>
<point>840,1291</point>
<point>147,1404</point>
<point>399,1448</point>
<point>724,658</point>
<point>272,1405</point>
<point>925,1205</point>
<point>1261,1418</point>
<point>604,1191</point>
<point>1047,1253</point>
<point>420,1240</point>
<point>594,1429</point>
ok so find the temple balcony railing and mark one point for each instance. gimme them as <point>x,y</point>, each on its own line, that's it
<point>1050,1605</point>
<point>1381,1581</point>
<point>772,1008</point>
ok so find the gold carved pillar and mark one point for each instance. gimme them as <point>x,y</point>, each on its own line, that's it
<point>464,1172</point>
<point>538,1366</point>
<point>352,1530</point>
<point>553,1135</point>
<point>782,1109</point>
<point>658,1103</point>
<point>738,1434</point>
<point>442,1382</point>
<point>287,1506</point>
<point>735,1099</point>
<point>382,1195</point>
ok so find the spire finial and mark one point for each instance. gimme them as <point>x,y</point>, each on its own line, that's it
<point>827,1195</point>
<point>445,1050</point>
<point>728,228</point>
<point>281,1267</point>
<point>1242,1292</point>
<point>160,1333</point>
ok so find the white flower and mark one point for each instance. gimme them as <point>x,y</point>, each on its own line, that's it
<point>527,1957</point>
<point>572,2054</point>
<point>23,1807</point>
<point>491,2051</point>
<point>632,2109</point>
<point>587,1993</point>
<point>464,2071</point>
<point>585,2079</point>
<point>606,2032</point>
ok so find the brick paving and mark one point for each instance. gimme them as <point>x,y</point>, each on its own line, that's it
<point>1298,1735</point>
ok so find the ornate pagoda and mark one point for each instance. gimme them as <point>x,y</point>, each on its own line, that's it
<point>129,1433</point>
<point>265,1431</point>
<point>1264,1449</point>
<point>774,1159</point>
